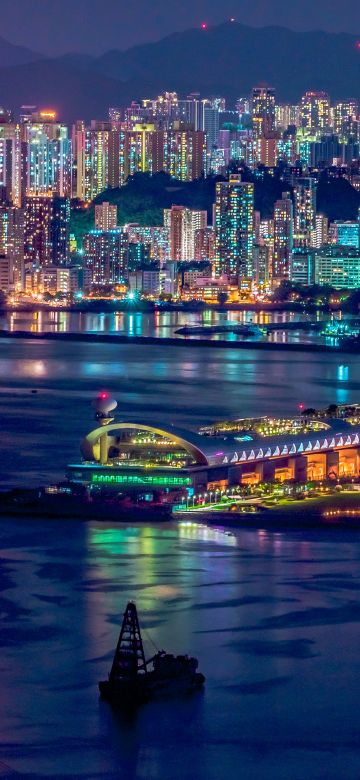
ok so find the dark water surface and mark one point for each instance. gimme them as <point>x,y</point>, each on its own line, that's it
<point>273,617</point>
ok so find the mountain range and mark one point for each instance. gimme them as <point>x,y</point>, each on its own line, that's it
<point>226,60</point>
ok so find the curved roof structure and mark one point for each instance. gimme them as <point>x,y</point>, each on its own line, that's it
<point>183,438</point>
<point>235,448</point>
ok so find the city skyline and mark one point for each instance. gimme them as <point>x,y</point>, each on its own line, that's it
<point>241,242</point>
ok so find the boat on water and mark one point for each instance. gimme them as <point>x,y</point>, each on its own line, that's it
<point>245,330</point>
<point>134,680</point>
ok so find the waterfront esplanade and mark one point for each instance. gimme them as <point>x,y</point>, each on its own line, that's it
<point>138,455</point>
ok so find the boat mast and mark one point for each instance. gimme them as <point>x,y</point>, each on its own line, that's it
<point>129,656</point>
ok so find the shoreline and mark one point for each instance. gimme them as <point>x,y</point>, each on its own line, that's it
<point>107,338</point>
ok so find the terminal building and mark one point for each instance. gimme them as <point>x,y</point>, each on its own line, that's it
<point>139,457</point>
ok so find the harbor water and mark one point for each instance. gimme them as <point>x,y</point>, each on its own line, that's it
<point>273,617</point>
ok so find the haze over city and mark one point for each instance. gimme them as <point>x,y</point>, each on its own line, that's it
<point>85,26</point>
<point>179,389</point>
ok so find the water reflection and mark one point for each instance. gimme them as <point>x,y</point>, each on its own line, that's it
<point>160,324</point>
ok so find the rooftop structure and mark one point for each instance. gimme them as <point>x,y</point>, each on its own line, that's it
<point>138,455</point>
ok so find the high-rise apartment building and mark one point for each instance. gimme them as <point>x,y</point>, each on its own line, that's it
<point>315,111</point>
<point>182,224</point>
<point>46,230</point>
<point>105,216</point>
<point>304,210</point>
<point>263,110</point>
<point>234,228</point>
<point>346,118</point>
<point>12,243</point>
<point>204,244</point>
<point>283,237</point>
<point>320,235</point>
<point>338,266</point>
<point>106,254</point>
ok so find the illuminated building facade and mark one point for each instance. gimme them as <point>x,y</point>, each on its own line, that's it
<point>154,237</point>
<point>320,235</point>
<point>105,216</point>
<point>106,256</point>
<point>182,224</point>
<point>315,111</point>
<point>347,233</point>
<point>204,244</point>
<point>304,210</point>
<point>177,462</point>
<point>338,266</point>
<point>234,228</point>
<point>283,237</point>
<point>46,230</point>
<point>345,118</point>
<point>12,243</point>
<point>266,150</point>
<point>263,111</point>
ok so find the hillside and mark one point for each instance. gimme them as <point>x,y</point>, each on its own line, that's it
<point>227,59</point>
<point>144,197</point>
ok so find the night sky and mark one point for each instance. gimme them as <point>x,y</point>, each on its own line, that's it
<point>94,26</point>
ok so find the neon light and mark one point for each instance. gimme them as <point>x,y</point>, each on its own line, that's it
<point>135,479</point>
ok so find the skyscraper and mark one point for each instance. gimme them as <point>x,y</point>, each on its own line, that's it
<point>107,255</point>
<point>283,237</point>
<point>315,111</point>
<point>304,210</point>
<point>234,228</point>
<point>345,118</point>
<point>47,220</point>
<point>263,111</point>
<point>12,243</point>
<point>182,224</point>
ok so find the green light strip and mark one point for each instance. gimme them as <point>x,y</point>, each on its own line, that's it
<point>133,479</point>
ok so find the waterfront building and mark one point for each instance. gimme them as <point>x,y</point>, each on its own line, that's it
<point>5,279</point>
<point>234,228</point>
<point>106,255</point>
<point>176,462</point>
<point>338,266</point>
<point>302,266</point>
<point>261,264</point>
<point>283,237</point>
<point>263,111</point>
<point>12,243</point>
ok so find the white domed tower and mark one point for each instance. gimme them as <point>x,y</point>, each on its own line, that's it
<point>105,407</point>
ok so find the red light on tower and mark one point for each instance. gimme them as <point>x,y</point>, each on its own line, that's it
<point>104,396</point>
<point>203,26</point>
<point>357,44</point>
